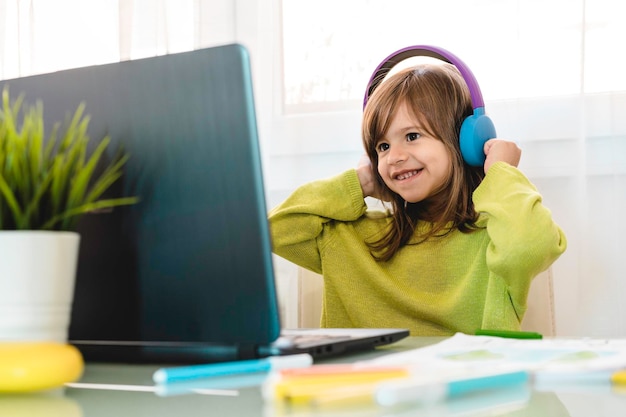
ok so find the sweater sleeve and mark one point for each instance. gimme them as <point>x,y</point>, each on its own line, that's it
<point>524,239</point>
<point>297,223</point>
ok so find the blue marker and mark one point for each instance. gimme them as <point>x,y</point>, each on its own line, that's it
<point>188,373</point>
<point>402,392</point>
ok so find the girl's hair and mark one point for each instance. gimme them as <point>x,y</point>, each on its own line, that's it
<point>439,99</point>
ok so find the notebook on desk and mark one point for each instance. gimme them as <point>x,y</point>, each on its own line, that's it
<point>186,275</point>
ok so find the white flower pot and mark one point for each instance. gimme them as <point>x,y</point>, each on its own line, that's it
<point>37,275</point>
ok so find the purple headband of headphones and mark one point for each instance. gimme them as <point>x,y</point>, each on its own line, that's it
<point>424,50</point>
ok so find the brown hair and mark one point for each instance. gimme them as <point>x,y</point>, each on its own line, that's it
<point>440,101</point>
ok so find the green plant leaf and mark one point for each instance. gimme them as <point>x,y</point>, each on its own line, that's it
<point>10,199</point>
<point>108,178</point>
<point>86,208</point>
<point>50,182</point>
<point>82,177</point>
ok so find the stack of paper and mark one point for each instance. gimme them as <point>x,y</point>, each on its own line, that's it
<point>547,360</point>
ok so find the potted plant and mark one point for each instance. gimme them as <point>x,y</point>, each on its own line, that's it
<point>47,182</point>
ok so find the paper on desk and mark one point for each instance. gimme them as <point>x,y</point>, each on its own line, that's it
<point>546,359</point>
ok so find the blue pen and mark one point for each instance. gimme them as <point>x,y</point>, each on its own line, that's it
<point>188,373</point>
<point>403,392</point>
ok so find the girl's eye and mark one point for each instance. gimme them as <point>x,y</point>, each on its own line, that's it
<point>382,147</point>
<point>412,136</point>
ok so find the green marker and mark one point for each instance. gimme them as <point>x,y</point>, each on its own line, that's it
<point>511,334</point>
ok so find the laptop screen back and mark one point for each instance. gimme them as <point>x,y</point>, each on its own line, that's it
<point>191,262</point>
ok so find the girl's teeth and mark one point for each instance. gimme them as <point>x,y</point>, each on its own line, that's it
<point>407,175</point>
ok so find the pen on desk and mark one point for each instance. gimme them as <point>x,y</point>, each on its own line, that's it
<point>329,383</point>
<point>387,386</point>
<point>215,386</point>
<point>334,371</point>
<point>187,373</point>
<point>394,393</point>
<point>511,334</point>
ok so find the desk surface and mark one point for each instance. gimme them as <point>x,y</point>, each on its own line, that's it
<point>127,390</point>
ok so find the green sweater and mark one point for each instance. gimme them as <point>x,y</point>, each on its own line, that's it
<point>458,283</point>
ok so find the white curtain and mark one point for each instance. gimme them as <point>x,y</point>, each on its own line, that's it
<point>552,73</point>
<point>38,36</point>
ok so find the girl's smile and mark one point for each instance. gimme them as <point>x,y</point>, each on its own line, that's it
<point>407,174</point>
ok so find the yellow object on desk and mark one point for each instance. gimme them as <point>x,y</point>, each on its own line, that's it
<point>37,366</point>
<point>329,383</point>
<point>619,377</point>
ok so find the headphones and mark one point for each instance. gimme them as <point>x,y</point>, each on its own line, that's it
<point>475,129</point>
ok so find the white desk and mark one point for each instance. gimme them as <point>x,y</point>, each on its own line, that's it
<point>133,396</point>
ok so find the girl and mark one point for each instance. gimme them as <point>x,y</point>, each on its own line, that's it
<point>459,246</point>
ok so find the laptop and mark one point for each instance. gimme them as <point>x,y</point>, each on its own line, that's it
<point>186,274</point>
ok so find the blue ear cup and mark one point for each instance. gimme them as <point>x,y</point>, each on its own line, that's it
<point>475,129</point>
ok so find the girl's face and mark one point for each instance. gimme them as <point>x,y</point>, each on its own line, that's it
<point>411,162</point>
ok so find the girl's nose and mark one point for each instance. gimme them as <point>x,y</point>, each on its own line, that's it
<point>396,155</point>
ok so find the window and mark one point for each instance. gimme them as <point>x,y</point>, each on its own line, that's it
<point>331,47</point>
<point>39,36</point>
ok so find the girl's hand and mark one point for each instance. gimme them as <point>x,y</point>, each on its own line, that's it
<point>368,182</point>
<point>364,172</point>
<point>501,150</point>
